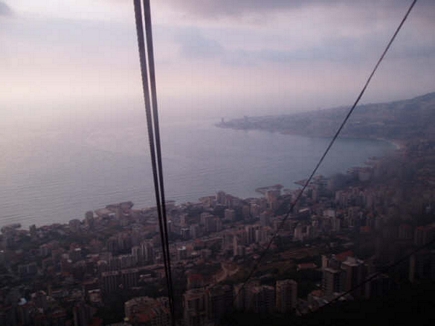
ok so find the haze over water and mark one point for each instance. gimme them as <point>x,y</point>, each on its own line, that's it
<point>70,154</point>
<point>55,172</point>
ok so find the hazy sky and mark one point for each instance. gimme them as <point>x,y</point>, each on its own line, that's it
<point>242,56</point>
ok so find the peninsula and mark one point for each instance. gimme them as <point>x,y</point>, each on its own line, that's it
<point>394,121</point>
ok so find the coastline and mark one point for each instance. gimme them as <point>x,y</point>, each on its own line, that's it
<point>398,144</point>
<point>183,183</point>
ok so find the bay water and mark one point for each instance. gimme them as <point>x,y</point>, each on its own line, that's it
<point>56,172</point>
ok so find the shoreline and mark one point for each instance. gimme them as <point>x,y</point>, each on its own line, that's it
<point>398,144</point>
<point>65,214</point>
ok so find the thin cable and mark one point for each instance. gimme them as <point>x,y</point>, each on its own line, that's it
<point>152,76</point>
<point>145,86</point>
<point>154,142</point>
<point>254,269</point>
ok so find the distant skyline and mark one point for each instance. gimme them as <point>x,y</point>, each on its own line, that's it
<point>250,57</point>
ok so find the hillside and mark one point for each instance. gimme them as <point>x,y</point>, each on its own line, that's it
<point>411,118</point>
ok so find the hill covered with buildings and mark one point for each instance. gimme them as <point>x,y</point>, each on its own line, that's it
<point>411,118</point>
<point>338,242</point>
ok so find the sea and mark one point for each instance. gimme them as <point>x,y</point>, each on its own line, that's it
<point>57,168</point>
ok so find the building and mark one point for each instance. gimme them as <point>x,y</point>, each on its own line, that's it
<point>405,232</point>
<point>195,281</point>
<point>261,299</point>
<point>250,233</point>
<point>147,252</point>
<point>219,301</point>
<point>207,220</point>
<point>195,231</point>
<point>194,307</point>
<point>146,311</point>
<point>241,294</point>
<point>82,314</point>
<point>353,273</point>
<point>239,297</point>
<point>109,281</point>
<point>300,232</point>
<point>378,286</point>
<point>221,198</point>
<point>286,295</point>
<point>129,277</point>
<point>181,253</point>
<point>230,214</point>
<point>331,281</point>
<point>343,272</point>
<point>421,265</point>
<point>424,234</point>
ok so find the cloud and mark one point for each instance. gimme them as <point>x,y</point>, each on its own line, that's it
<point>230,7</point>
<point>212,8</point>
<point>213,53</point>
<point>5,10</point>
<point>194,45</point>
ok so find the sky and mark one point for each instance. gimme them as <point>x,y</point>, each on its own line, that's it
<point>231,57</point>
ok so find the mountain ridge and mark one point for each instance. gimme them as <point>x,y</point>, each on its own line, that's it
<point>398,120</point>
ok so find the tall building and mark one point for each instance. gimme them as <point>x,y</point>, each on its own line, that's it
<point>261,299</point>
<point>194,307</point>
<point>217,224</point>
<point>272,197</point>
<point>239,297</point>
<point>343,272</point>
<point>82,314</point>
<point>331,281</point>
<point>421,265</point>
<point>208,221</point>
<point>238,240</point>
<point>221,198</point>
<point>219,301</point>
<point>109,281</point>
<point>230,214</point>
<point>195,281</point>
<point>250,233</point>
<point>181,253</point>
<point>195,231</point>
<point>227,241</point>
<point>241,294</point>
<point>354,272</point>
<point>405,232</point>
<point>264,217</point>
<point>129,277</point>
<point>286,295</point>
<point>378,286</point>
<point>147,252</point>
<point>424,234</point>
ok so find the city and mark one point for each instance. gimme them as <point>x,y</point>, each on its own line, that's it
<point>354,243</point>
<point>107,268</point>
